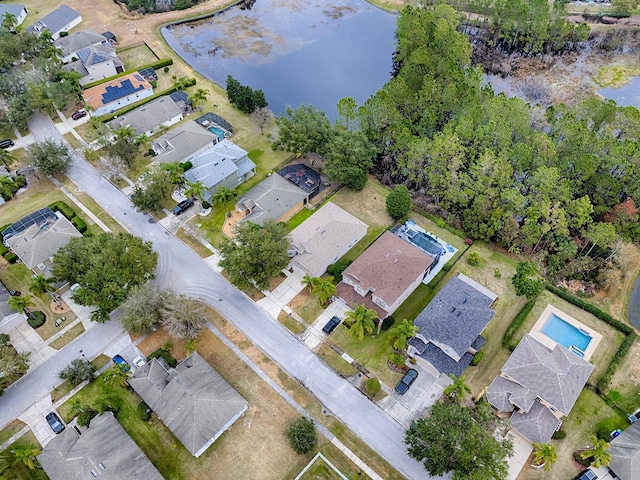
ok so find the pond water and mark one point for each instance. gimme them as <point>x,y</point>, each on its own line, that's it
<point>297,52</point>
<point>626,96</point>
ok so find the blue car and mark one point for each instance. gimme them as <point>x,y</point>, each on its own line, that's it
<point>54,422</point>
<point>121,362</point>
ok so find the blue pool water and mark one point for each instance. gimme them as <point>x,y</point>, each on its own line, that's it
<point>217,131</point>
<point>566,334</point>
<point>427,243</point>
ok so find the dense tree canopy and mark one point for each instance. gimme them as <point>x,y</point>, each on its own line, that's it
<point>459,440</point>
<point>244,98</point>
<point>305,129</point>
<point>107,266</point>
<point>349,157</point>
<point>256,254</point>
<point>50,157</point>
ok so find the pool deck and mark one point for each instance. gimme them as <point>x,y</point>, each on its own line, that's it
<point>536,330</point>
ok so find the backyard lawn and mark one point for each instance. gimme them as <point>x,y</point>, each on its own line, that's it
<point>627,380</point>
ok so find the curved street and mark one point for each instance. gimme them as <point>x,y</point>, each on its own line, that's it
<point>184,271</point>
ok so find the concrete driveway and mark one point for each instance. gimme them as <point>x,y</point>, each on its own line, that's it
<point>314,336</point>
<point>35,415</point>
<point>522,448</point>
<point>414,404</point>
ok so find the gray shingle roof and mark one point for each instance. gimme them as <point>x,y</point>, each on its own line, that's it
<point>193,401</point>
<point>78,40</point>
<point>217,163</point>
<point>5,310</point>
<point>625,453</point>
<point>95,54</point>
<point>13,9</point>
<point>324,237</point>
<point>149,116</point>
<point>537,425</point>
<point>443,362</point>
<point>504,394</point>
<point>182,142</point>
<point>457,314</point>
<point>270,199</point>
<point>104,448</point>
<point>557,376</point>
<point>56,20</point>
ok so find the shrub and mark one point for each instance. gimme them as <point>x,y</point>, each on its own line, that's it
<point>63,208</point>
<point>372,386</point>
<point>604,381</point>
<point>80,224</point>
<point>64,34</point>
<point>186,165</point>
<point>77,371</point>
<point>85,418</point>
<point>387,323</point>
<point>302,435</point>
<point>497,273</point>
<point>144,412</point>
<point>166,69</point>
<point>397,360</point>
<point>398,202</point>
<point>20,181</point>
<point>336,269</point>
<point>206,205</point>
<point>11,257</point>
<point>517,322</point>
<point>585,462</point>
<point>154,83</point>
<point>3,250</point>
<point>36,319</point>
<point>164,354</point>
<point>477,358</point>
<point>559,434</point>
<point>473,259</point>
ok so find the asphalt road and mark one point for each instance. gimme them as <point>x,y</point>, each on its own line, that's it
<point>184,271</point>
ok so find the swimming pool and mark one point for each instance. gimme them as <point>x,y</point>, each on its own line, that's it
<point>426,242</point>
<point>566,334</point>
<point>217,131</point>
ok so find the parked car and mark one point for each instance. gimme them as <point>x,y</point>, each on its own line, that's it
<point>139,362</point>
<point>182,206</point>
<point>121,362</point>
<point>54,422</point>
<point>6,143</point>
<point>79,114</point>
<point>587,475</point>
<point>406,381</point>
<point>75,287</point>
<point>331,325</point>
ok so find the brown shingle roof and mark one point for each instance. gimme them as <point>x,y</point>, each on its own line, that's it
<point>388,267</point>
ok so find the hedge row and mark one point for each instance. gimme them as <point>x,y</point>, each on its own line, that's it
<point>164,62</point>
<point>4,251</point>
<point>516,323</point>
<point>164,354</point>
<point>110,116</point>
<point>595,311</point>
<point>70,214</point>
<point>605,380</point>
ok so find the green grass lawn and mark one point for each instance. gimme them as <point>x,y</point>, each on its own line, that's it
<point>319,470</point>
<point>10,430</point>
<point>39,194</point>
<point>290,324</point>
<point>68,336</point>
<point>307,306</point>
<point>338,363</point>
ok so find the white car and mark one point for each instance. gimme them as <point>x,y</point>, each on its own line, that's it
<point>139,361</point>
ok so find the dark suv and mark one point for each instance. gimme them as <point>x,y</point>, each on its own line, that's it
<point>406,381</point>
<point>331,325</point>
<point>182,206</point>
<point>79,114</point>
<point>54,422</point>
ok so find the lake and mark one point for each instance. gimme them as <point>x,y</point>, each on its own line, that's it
<point>626,96</point>
<point>297,52</point>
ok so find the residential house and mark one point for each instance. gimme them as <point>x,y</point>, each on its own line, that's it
<point>192,400</point>
<point>451,324</point>
<point>323,238</point>
<point>62,19</point>
<point>222,165</point>
<point>18,11</point>
<point>538,386</point>
<point>384,275</point>
<point>37,237</point>
<point>182,143</point>
<point>150,117</point>
<point>182,100</point>
<point>118,93</point>
<point>76,41</point>
<point>104,451</point>
<point>625,454</point>
<point>5,310</point>
<point>96,62</point>
<point>272,199</point>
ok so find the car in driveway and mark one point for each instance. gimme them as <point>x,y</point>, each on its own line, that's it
<point>79,114</point>
<point>182,206</point>
<point>121,362</point>
<point>331,325</point>
<point>587,475</point>
<point>406,381</point>
<point>139,362</point>
<point>54,422</point>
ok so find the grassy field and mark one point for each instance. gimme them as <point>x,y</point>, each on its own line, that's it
<point>41,192</point>
<point>627,380</point>
<point>10,430</point>
<point>193,244</point>
<point>290,324</point>
<point>307,306</point>
<point>136,56</point>
<point>338,363</point>
<point>68,336</point>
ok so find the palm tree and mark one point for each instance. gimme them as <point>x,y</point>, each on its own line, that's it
<point>116,375</point>
<point>5,187</point>
<point>175,171</point>
<point>107,400</point>
<point>9,22</point>
<point>6,158</point>
<point>324,288</point>
<point>195,190</point>
<point>125,131</point>
<point>401,333</point>
<point>458,388</point>
<point>20,303</point>
<point>544,453</point>
<point>181,83</point>
<point>362,320</point>
<point>41,285</point>
<point>224,195</point>
<point>309,282</point>
<point>598,453</point>
<point>200,94</point>
<point>26,455</point>
<point>13,366</point>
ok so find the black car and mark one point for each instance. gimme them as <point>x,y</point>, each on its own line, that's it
<point>587,475</point>
<point>406,381</point>
<point>182,206</point>
<point>54,422</point>
<point>6,143</point>
<point>331,325</point>
<point>79,114</point>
